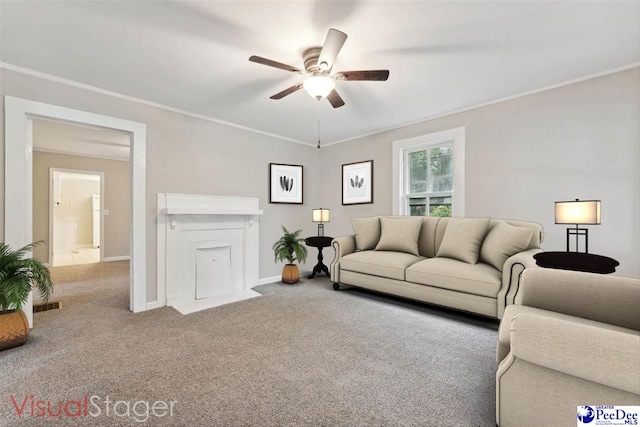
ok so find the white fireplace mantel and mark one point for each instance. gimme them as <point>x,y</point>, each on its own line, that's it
<point>194,211</point>
<point>207,250</point>
<point>172,211</point>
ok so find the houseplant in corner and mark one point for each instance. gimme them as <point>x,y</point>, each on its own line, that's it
<point>17,277</point>
<point>289,248</point>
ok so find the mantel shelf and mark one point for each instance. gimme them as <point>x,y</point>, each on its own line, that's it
<point>195,211</point>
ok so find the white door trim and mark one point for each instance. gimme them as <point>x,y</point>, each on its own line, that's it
<point>18,181</point>
<point>102,187</point>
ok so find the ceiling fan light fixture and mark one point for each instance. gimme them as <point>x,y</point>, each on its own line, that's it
<point>319,86</point>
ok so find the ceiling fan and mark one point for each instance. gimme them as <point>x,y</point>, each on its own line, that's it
<point>318,62</point>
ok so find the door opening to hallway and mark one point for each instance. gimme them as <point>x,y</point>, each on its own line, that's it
<point>76,212</point>
<point>81,209</point>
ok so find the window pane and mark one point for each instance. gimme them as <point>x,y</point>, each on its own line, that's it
<point>440,206</point>
<point>417,206</point>
<point>418,172</point>
<point>441,168</point>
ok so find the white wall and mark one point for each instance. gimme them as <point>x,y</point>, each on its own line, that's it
<point>577,141</point>
<point>189,155</point>
<point>580,140</point>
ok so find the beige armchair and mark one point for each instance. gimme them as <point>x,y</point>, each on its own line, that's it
<point>573,340</point>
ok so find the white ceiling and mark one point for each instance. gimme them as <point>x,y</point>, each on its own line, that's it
<point>443,56</point>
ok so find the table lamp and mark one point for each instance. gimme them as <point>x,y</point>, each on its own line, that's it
<point>578,212</point>
<point>320,215</point>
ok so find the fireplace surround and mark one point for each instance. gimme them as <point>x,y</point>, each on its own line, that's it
<point>207,249</point>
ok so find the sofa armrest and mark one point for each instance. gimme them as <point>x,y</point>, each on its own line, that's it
<point>603,298</point>
<point>594,352</point>
<point>343,245</point>
<point>513,268</point>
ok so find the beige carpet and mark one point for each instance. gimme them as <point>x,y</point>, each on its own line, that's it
<point>299,355</point>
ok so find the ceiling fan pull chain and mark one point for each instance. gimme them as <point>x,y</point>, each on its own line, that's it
<point>318,110</point>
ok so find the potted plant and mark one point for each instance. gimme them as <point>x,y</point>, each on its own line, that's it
<point>17,278</point>
<point>289,248</point>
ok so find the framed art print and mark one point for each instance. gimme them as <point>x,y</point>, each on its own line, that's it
<point>285,184</point>
<point>357,183</point>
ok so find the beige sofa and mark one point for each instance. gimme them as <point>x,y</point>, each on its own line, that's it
<point>574,340</point>
<point>470,264</point>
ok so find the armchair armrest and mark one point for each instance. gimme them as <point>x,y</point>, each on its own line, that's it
<point>343,245</point>
<point>603,298</point>
<point>513,268</point>
<point>585,349</point>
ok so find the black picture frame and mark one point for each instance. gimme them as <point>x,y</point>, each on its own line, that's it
<point>357,183</point>
<point>286,184</point>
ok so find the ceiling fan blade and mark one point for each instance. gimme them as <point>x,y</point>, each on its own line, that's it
<point>335,99</point>
<point>332,45</point>
<point>270,63</point>
<point>371,75</point>
<point>286,92</point>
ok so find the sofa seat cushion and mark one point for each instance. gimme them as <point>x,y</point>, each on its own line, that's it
<point>477,279</point>
<point>379,263</point>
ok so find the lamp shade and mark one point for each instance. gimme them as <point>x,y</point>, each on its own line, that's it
<point>319,86</point>
<point>578,212</point>
<point>321,215</point>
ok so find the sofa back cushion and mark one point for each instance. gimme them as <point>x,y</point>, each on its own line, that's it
<point>366,231</point>
<point>427,239</point>
<point>503,241</point>
<point>463,238</point>
<point>536,237</point>
<point>400,233</point>
<point>441,227</point>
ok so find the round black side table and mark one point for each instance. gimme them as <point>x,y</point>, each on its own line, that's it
<point>576,261</point>
<point>319,242</point>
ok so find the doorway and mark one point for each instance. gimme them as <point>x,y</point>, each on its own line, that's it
<point>76,206</point>
<point>19,115</point>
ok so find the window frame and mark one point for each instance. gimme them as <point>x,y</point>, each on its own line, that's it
<point>402,149</point>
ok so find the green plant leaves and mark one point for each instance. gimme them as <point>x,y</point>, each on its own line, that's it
<point>289,247</point>
<point>18,275</point>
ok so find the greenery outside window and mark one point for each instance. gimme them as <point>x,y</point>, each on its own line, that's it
<point>429,174</point>
<point>429,180</point>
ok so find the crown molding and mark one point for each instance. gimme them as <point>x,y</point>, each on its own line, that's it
<point>497,101</point>
<point>95,89</point>
<point>73,83</point>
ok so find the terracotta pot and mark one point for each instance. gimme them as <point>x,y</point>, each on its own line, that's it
<point>290,274</point>
<point>14,329</point>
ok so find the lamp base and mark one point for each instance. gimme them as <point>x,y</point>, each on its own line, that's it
<point>578,232</point>
<point>321,230</point>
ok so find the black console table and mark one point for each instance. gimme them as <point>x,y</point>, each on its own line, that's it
<point>577,261</point>
<point>319,242</point>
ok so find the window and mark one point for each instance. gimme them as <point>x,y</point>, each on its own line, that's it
<point>429,174</point>
<point>429,183</point>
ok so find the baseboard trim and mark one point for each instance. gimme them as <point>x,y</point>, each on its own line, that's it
<point>153,305</point>
<point>116,258</point>
<point>267,280</point>
<point>276,279</point>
